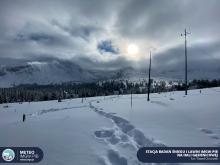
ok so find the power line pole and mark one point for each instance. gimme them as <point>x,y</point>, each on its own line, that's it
<point>149,81</point>
<point>186,70</point>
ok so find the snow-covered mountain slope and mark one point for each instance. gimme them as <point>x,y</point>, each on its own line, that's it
<point>44,73</point>
<point>107,130</point>
<point>58,71</point>
<point>55,72</point>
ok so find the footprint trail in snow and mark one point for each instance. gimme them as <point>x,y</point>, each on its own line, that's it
<point>123,138</point>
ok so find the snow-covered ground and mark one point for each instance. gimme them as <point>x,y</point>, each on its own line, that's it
<point>108,130</point>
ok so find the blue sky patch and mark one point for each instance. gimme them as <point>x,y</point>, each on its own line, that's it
<point>106,46</point>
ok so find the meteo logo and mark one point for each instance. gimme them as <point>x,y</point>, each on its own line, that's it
<point>8,155</point>
<point>20,155</point>
<point>27,152</point>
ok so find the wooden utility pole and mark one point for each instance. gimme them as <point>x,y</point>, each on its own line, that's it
<point>186,70</point>
<point>149,80</point>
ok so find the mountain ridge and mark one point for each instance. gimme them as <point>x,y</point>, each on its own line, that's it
<point>60,71</point>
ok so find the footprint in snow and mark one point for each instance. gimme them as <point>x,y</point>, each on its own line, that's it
<point>104,133</point>
<point>110,136</point>
<point>115,158</point>
<point>210,133</point>
<point>214,136</point>
<point>160,103</point>
<point>206,131</point>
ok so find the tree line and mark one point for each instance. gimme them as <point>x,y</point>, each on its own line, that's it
<point>34,92</point>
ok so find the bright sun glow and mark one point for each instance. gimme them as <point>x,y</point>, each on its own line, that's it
<point>132,49</point>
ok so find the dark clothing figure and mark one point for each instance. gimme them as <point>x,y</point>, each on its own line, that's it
<point>24,117</point>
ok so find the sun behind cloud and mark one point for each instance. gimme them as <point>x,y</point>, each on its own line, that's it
<point>133,52</point>
<point>132,49</point>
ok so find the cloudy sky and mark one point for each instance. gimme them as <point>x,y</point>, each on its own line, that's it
<point>102,31</point>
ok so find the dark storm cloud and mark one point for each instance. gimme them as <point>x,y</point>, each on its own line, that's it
<point>38,37</point>
<point>83,31</point>
<point>164,20</point>
<point>201,57</point>
<point>76,29</point>
<point>149,18</point>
